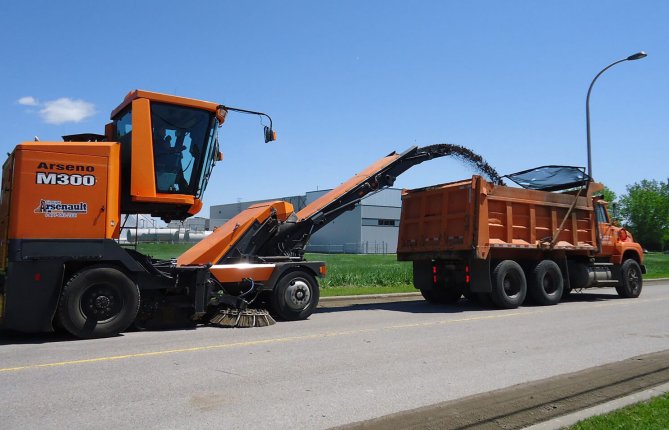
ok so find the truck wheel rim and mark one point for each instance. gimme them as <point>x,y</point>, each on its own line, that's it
<point>511,289</point>
<point>549,284</point>
<point>298,294</point>
<point>633,279</point>
<point>101,302</point>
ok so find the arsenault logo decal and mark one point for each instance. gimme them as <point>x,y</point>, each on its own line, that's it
<point>58,209</point>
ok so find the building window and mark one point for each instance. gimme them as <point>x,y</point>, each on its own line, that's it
<point>380,222</point>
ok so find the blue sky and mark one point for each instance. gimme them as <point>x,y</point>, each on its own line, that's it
<point>347,82</point>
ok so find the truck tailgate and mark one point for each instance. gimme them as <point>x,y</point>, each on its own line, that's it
<point>437,219</point>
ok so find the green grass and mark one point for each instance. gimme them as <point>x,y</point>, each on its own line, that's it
<point>657,265</point>
<point>646,415</point>
<point>350,274</point>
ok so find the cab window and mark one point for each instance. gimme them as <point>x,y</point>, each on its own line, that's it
<point>602,216</point>
<point>181,146</point>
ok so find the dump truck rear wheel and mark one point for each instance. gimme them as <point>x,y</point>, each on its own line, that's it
<point>295,296</point>
<point>509,286</point>
<point>98,302</point>
<point>545,283</point>
<point>631,281</point>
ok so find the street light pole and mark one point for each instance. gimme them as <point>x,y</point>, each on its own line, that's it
<point>637,56</point>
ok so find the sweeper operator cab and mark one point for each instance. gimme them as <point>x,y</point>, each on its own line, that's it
<point>170,145</point>
<point>61,215</point>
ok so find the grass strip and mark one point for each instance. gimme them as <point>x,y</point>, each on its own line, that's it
<point>653,414</point>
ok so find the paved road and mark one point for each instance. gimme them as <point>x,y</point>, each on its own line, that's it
<point>346,364</point>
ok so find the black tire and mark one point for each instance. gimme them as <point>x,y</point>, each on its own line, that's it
<point>295,296</point>
<point>98,302</point>
<point>509,286</point>
<point>545,284</point>
<point>631,281</point>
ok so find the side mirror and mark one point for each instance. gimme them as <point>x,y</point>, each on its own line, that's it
<point>270,135</point>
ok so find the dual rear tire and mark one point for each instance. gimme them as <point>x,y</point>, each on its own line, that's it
<point>509,286</point>
<point>544,284</point>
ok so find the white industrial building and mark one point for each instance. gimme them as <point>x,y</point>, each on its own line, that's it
<point>370,228</point>
<point>195,223</point>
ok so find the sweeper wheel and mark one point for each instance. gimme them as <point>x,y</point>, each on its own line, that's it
<point>295,296</point>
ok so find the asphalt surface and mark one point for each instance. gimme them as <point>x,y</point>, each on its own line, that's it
<point>349,363</point>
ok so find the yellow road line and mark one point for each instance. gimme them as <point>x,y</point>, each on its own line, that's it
<point>303,337</point>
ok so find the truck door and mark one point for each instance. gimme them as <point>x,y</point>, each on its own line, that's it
<point>605,230</point>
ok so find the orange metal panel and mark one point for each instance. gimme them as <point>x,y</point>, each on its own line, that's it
<point>177,199</point>
<point>113,210</point>
<point>196,206</point>
<point>142,174</point>
<point>61,191</point>
<point>237,272</point>
<point>164,98</point>
<point>212,248</point>
<point>5,204</point>
<point>437,219</point>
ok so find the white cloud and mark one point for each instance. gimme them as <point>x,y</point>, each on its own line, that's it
<point>28,101</point>
<point>66,110</point>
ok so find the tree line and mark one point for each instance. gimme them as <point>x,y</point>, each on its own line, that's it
<point>644,211</point>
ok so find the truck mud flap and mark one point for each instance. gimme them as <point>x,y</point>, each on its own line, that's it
<point>32,290</point>
<point>479,271</point>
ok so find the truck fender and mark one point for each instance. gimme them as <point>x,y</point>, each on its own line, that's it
<point>311,267</point>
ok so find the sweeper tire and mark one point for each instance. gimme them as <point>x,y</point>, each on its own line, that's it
<point>295,296</point>
<point>98,301</point>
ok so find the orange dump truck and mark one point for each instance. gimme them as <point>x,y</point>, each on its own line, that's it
<point>502,244</point>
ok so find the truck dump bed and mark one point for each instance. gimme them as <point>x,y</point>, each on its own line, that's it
<point>475,215</point>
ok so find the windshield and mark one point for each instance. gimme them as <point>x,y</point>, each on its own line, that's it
<point>184,141</point>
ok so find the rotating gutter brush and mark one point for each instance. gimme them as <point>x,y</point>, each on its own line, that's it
<point>240,318</point>
<point>237,313</point>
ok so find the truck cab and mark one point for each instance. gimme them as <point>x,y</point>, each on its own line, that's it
<point>169,145</point>
<point>616,243</point>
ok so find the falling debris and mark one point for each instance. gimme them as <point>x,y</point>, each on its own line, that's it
<point>466,155</point>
